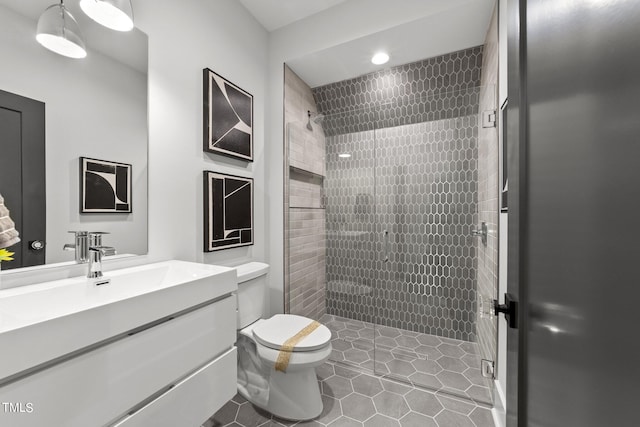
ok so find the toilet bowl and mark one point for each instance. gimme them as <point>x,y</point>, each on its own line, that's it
<point>292,391</point>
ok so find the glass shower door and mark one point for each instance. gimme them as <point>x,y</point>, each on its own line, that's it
<point>352,250</point>
<point>426,205</point>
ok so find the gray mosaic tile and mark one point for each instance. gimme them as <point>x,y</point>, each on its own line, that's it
<point>454,380</point>
<point>391,407</point>
<point>423,402</point>
<point>367,385</point>
<point>388,97</point>
<point>358,407</point>
<point>331,409</point>
<point>456,405</point>
<point>423,370</point>
<point>249,415</point>
<point>391,404</point>
<point>448,418</point>
<point>381,421</point>
<point>395,387</point>
<point>482,417</point>
<point>337,387</point>
<point>413,419</point>
<point>427,366</point>
<point>345,422</point>
<point>453,364</point>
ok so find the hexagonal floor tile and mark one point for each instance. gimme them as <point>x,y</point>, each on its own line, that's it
<point>423,402</point>
<point>250,416</point>
<point>367,385</point>
<point>379,420</point>
<point>430,340</point>
<point>387,331</point>
<point>427,366</point>
<point>453,380</point>
<point>426,380</point>
<point>358,407</point>
<point>450,418</point>
<point>431,352</point>
<point>337,387</point>
<point>408,342</point>
<point>355,356</point>
<point>331,410</point>
<point>391,404</point>
<point>452,364</point>
<point>400,367</point>
<point>226,414</point>
<point>413,419</point>
<point>451,350</point>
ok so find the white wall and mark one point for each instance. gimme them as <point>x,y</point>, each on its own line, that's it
<point>95,107</point>
<point>184,38</point>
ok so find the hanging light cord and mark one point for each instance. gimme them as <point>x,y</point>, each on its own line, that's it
<point>64,22</point>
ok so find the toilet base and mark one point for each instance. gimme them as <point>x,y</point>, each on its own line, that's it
<point>294,395</point>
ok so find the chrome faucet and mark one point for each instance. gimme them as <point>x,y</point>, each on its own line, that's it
<point>81,246</point>
<point>96,252</point>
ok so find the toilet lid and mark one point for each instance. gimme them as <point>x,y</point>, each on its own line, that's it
<point>274,332</point>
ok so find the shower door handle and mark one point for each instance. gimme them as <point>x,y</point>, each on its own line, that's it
<point>385,240</point>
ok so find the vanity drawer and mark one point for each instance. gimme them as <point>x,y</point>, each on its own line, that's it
<point>193,400</point>
<point>100,386</point>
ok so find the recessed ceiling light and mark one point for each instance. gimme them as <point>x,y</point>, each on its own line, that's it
<point>344,155</point>
<point>380,58</point>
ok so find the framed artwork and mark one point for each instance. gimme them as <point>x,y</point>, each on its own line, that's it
<point>105,187</point>
<point>228,118</point>
<point>228,211</point>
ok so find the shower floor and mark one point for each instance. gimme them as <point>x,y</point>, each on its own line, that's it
<point>440,364</point>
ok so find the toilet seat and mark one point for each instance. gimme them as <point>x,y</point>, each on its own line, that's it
<point>272,333</point>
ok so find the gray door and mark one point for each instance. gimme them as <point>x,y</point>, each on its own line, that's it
<point>574,238</point>
<point>22,174</point>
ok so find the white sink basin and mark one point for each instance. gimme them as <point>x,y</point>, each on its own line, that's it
<point>41,322</point>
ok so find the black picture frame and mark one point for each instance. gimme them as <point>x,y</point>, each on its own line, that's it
<point>227,117</point>
<point>228,211</point>
<point>105,186</point>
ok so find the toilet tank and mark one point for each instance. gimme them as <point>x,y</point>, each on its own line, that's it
<point>252,290</point>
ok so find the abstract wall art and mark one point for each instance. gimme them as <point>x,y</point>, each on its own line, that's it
<point>105,187</point>
<point>228,211</point>
<point>228,118</point>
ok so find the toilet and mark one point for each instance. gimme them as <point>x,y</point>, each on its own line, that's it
<point>293,394</point>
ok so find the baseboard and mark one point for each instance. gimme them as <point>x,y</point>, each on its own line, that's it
<point>498,412</point>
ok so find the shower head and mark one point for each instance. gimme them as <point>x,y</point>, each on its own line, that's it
<point>317,119</point>
<point>309,120</point>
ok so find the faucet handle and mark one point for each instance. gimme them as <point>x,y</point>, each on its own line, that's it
<point>104,250</point>
<point>95,237</point>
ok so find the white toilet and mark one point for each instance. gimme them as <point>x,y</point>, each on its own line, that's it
<point>291,395</point>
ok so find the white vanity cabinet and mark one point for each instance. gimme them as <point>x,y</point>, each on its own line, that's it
<point>175,370</point>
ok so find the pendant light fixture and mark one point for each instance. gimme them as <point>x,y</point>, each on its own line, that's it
<point>114,14</point>
<point>59,32</point>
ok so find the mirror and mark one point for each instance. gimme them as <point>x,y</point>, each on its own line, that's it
<point>94,107</point>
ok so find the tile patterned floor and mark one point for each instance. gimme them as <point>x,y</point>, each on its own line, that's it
<point>440,364</point>
<point>355,399</point>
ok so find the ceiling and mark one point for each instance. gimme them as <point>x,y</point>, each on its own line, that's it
<point>274,14</point>
<point>429,28</point>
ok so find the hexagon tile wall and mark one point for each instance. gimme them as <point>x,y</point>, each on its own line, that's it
<point>402,158</point>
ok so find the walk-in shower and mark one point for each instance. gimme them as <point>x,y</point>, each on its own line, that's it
<point>382,197</point>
